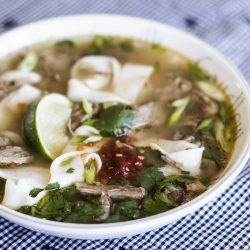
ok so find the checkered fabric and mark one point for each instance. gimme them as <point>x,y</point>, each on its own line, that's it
<point>223,223</point>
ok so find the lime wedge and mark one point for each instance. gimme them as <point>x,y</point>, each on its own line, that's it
<point>45,125</point>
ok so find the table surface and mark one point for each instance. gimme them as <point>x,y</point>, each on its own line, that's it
<point>224,222</point>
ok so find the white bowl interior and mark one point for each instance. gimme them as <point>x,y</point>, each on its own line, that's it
<point>190,46</point>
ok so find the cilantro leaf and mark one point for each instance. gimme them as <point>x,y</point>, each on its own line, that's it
<point>150,177</point>
<point>152,156</point>
<point>86,212</point>
<point>209,154</point>
<point>52,186</point>
<point>54,206</point>
<point>164,198</point>
<point>152,207</point>
<point>34,192</point>
<point>127,209</point>
<point>114,121</point>
<point>173,178</point>
<point>58,206</point>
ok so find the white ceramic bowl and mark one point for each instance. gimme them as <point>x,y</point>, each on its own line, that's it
<point>188,45</point>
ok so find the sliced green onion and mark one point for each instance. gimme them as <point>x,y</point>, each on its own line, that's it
<point>90,171</point>
<point>89,122</point>
<point>220,136</point>
<point>210,90</point>
<point>108,104</point>
<point>205,123</point>
<point>180,105</point>
<point>87,107</point>
<point>159,48</point>
<point>29,62</point>
<point>82,139</point>
<point>67,161</point>
<point>197,72</point>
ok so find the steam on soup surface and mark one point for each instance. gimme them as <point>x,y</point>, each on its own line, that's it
<point>114,129</point>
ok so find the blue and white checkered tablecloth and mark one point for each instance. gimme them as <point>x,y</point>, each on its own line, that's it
<point>222,224</point>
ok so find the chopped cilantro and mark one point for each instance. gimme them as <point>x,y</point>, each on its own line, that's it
<point>114,121</point>
<point>197,73</point>
<point>66,161</point>
<point>57,206</point>
<point>164,198</point>
<point>67,43</point>
<point>54,206</point>
<point>34,192</point>
<point>150,177</point>
<point>172,179</point>
<point>157,65</point>
<point>126,45</point>
<point>159,48</point>
<point>127,209</point>
<point>52,186</point>
<point>85,213</point>
<point>152,207</point>
<point>147,127</point>
<point>209,154</point>
<point>152,157</point>
<point>70,171</point>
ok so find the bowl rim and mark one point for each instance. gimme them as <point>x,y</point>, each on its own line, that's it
<point>99,231</point>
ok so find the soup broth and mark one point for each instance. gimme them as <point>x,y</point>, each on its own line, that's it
<point>140,128</point>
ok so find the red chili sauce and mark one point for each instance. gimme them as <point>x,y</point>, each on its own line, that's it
<point>120,161</point>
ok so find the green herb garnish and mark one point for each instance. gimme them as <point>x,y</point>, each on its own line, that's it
<point>209,154</point>
<point>159,48</point>
<point>114,121</point>
<point>99,44</point>
<point>52,186</point>
<point>128,209</point>
<point>150,177</point>
<point>70,171</point>
<point>198,73</point>
<point>67,43</point>
<point>126,45</point>
<point>34,192</point>
<point>152,156</point>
